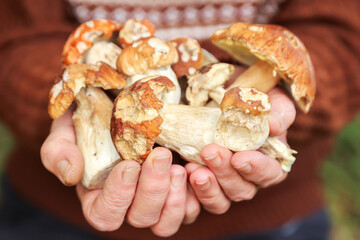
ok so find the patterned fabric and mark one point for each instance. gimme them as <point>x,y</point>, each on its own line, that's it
<point>173,19</point>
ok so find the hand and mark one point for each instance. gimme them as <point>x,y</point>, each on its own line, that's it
<point>152,195</point>
<point>236,177</point>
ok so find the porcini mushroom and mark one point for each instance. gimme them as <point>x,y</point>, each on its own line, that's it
<point>83,38</point>
<point>92,124</point>
<point>190,56</point>
<point>92,116</point>
<point>273,53</point>
<point>135,30</point>
<point>150,57</point>
<point>102,51</point>
<point>141,118</point>
<point>150,53</point>
<point>209,82</point>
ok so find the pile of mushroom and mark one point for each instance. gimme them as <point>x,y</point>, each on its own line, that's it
<point>141,118</point>
<point>102,54</point>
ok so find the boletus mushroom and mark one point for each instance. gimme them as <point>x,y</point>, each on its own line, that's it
<point>80,82</point>
<point>209,82</point>
<point>273,53</point>
<point>84,37</point>
<point>141,119</point>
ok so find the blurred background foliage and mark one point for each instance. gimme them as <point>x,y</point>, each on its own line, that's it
<point>341,175</point>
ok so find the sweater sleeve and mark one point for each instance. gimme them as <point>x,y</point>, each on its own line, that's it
<point>33,34</point>
<point>331,32</point>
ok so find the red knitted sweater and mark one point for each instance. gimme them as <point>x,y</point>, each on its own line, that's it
<point>32,36</point>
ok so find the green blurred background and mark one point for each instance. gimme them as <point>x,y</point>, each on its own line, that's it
<point>341,174</point>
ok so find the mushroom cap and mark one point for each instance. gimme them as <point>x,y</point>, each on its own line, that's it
<point>103,51</point>
<point>136,121</point>
<point>190,56</point>
<point>105,77</point>
<point>279,48</point>
<point>135,30</point>
<point>83,38</point>
<point>243,124</point>
<point>76,76</point>
<point>248,100</point>
<point>146,54</point>
<point>209,78</point>
<point>173,96</point>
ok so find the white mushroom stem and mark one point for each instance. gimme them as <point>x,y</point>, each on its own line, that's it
<point>274,148</point>
<point>263,77</point>
<point>92,124</point>
<point>259,75</point>
<point>187,129</point>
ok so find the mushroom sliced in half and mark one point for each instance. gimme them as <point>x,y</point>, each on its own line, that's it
<point>141,118</point>
<point>83,38</point>
<point>273,53</point>
<point>92,116</point>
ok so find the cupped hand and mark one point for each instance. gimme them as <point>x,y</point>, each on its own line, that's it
<point>153,195</point>
<point>237,176</point>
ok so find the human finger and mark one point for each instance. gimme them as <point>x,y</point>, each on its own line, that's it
<point>152,190</point>
<point>173,211</point>
<point>208,191</point>
<point>282,113</point>
<point>258,168</point>
<point>105,209</point>
<point>59,152</point>
<point>192,207</point>
<point>235,187</point>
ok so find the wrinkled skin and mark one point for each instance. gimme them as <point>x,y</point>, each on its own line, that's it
<point>237,177</point>
<point>158,196</point>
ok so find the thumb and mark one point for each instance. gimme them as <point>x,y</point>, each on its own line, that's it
<point>59,152</point>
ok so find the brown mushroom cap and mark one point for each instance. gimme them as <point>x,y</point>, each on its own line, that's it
<point>136,121</point>
<point>84,37</point>
<point>135,30</point>
<point>279,48</point>
<point>243,124</point>
<point>77,76</point>
<point>249,100</point>
<point>146,54</point>
<point>190,56</point>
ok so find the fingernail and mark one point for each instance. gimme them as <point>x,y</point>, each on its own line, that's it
<point>275,119</point>
<point>203,185</point>
<point>177,179</point>
<point>214,160</point>
<point>130,175</point>
<point>63,167</point>
<point>161,163</point>
<point>245,168</point>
